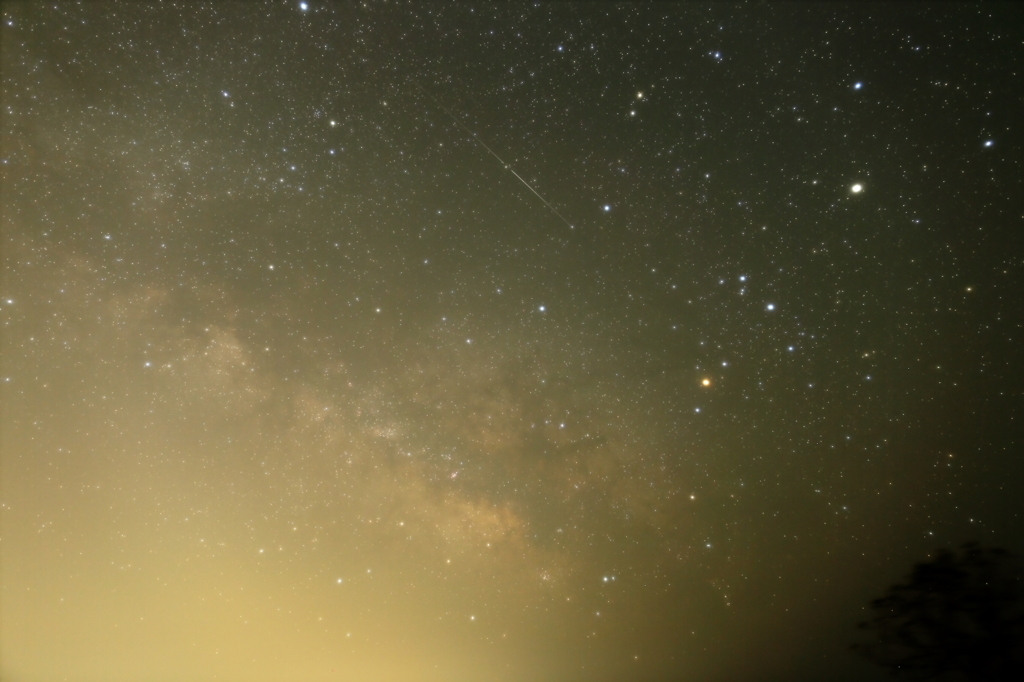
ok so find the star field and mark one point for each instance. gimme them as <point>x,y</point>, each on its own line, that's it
<point>544,341</point>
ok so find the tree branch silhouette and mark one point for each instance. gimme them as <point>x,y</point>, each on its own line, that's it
<point>958,616</point>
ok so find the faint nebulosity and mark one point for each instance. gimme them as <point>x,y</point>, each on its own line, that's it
<point>300,382</point>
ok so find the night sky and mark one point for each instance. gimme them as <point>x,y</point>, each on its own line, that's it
<point>398,341</point>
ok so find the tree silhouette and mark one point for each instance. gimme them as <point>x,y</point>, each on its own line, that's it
<point>959,616</point>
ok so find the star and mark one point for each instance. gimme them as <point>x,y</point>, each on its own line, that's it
<point>358,427</point>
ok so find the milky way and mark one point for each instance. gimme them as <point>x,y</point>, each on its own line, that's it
<point>299,383</point>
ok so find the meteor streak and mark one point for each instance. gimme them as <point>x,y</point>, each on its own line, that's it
<point>500,160</point>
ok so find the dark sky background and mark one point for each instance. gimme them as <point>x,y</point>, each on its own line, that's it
<point>300,382</point>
